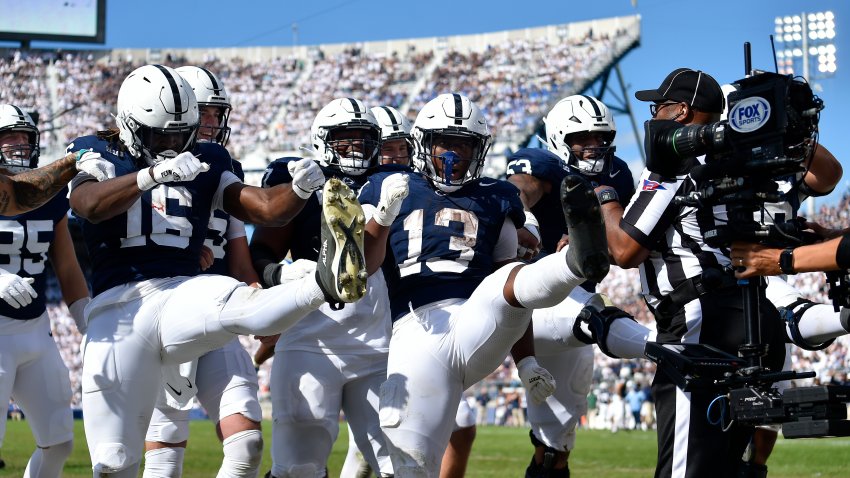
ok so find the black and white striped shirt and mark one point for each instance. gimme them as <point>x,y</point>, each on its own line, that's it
<point>671,232</point>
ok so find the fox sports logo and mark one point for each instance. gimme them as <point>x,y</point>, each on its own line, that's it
<point>749,114</point>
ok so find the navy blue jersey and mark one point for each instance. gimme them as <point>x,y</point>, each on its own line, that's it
<point>549,167</point>
<point>24,241</point>
<point>307,223</point>
<point>217,232</point>
<point>443,243</point>
<point>620,178</point>
<point>161,234</point>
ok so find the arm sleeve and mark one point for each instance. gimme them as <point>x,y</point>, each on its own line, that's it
<point>235,229</point>
<point>80,178</point>
<point>369,211</point>
<point>506,248</point>
<point>227,178</point>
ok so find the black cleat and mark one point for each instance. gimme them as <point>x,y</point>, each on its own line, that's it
<point>587,255</point>
<point>341,268</point>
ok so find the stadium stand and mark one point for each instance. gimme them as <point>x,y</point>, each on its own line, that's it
<point>277,91</point>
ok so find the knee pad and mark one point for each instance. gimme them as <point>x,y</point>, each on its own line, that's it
<point>243,453</point>
<point>164,462</point>
<point>392,406</point>
<point>792,314</point>
<point>112,458</point>
<point>599,322</point>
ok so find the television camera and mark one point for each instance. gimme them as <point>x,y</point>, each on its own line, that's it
<point>754,160</point>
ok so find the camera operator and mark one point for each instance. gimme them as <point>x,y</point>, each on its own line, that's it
<point>757,260</point>
<point>685,281</point>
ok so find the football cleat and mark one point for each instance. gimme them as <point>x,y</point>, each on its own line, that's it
<point>587,254</point>
<point>341,268</point>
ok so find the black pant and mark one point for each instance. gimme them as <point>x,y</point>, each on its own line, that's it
<point>686,440</point>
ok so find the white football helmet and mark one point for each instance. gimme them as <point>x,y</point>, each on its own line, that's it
<point>209,91</point>
<point>394,126</point>
<point>157,114</point>
<point>580,114</point>
<point>346,136</point>
<point>22,157</point>
<point>450,116</point>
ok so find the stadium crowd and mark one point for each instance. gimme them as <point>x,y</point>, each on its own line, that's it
<point>274,101</point>
<point>515,82</point>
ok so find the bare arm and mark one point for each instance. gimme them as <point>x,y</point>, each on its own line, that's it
<point>239,261</point>
<point>375,245</point>
<point>28,190</point>
<point>824,171</point>
<point>266,350</point>
<point>626,251</point>
<point>98,201</point>
<point>758,260</point>
<point>269,245</point>
<point>524,347</point>
<point>531,189</point>
<point>274,206</point>
<point>65,265</point>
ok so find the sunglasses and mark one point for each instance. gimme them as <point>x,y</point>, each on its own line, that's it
<point>654,108</point>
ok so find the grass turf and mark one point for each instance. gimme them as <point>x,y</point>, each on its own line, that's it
<point>498,452</point>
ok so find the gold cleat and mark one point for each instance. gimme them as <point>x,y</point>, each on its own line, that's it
<point>341,268</point>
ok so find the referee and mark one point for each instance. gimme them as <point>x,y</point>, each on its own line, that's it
<point>687,284</point>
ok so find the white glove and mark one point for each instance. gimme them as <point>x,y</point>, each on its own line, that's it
<point>91,162</point>
<point>393,192</point>
<point>538,382</point>
<point>296,270</point>
<point>183,167</point>
<point>16,290</point>
<point>307,177</point>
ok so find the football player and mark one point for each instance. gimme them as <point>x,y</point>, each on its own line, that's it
<point>396,141</point>
<point>460,301</point>
<point>27,190</point>
<point>144,229</point>
<point>580,132</point>
<point>31,369</point>
<point>397,148</point>
<point>227,383</point>
<point>334,360</point>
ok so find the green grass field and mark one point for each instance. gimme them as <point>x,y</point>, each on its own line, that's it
<point>498,452</point>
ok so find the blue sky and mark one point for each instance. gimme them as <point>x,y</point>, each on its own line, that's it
<point>675,33</point>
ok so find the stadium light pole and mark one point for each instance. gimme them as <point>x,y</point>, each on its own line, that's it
<point>802,37</point>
